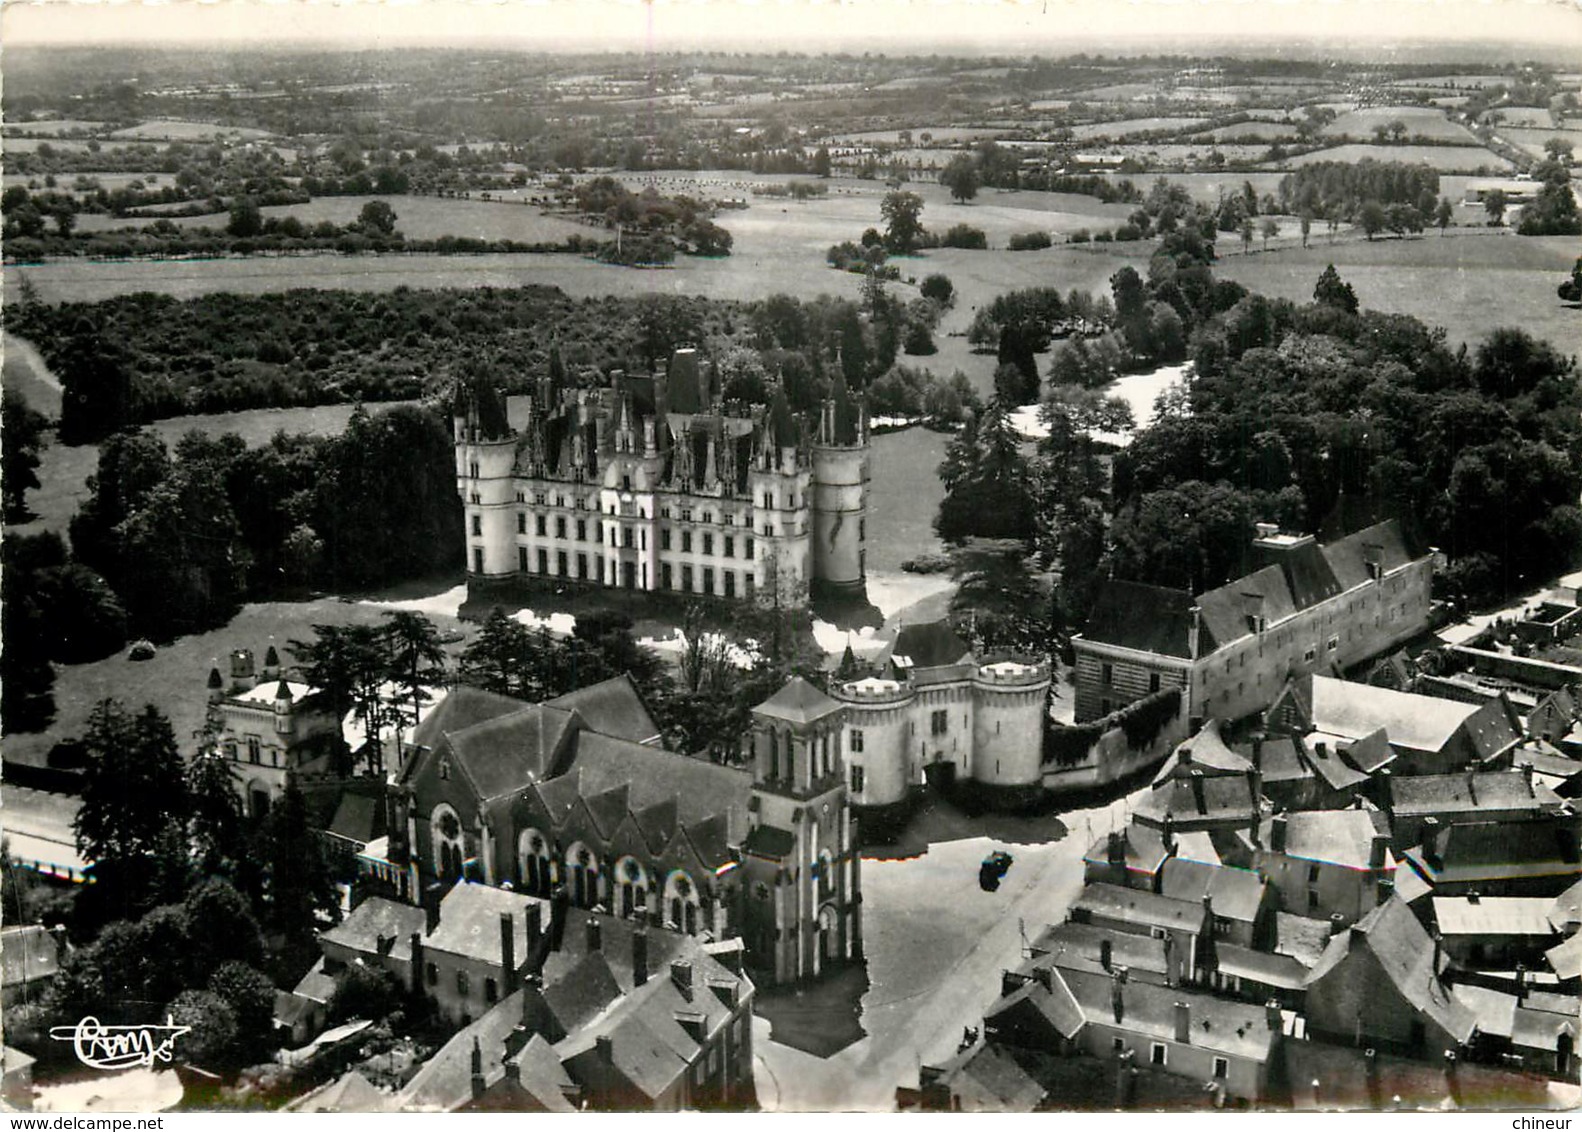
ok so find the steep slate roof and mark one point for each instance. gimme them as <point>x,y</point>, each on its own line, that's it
<point>1493,915</point>
<point>1383,543</point>
<point>358,817</point>
<point>1352,711</point>
<point>1404,952</point>
<point>28,953</point>
<point>1209,798</point>
<point>1237,894</point>
<point>1206,751</point>
<point>1280,759</point>
<point>469,922</point>
<point>376,918</point>
<point>1336,837</point>
<point>1332,764</point>
<point>1501,850</point>
<point>504,754</point>
<point>1565,959</point>
<point>611,707</point>
<point>1344,1085</point>
<point>1300,937</point>
<point>1453,793</point>
<point>1055,1003</point>
<point>1144,909</point>
<point>444,1083</point>
<point>351,1093</point>
<point>1143,846</point>
<point>1080,946</point>
<point>933,644</point>
<point>699,789</point>
<point>462,707</point>
<point>987,1078</point>
<point>542,1076</point>
<point>579,994</point>
<point>1147,618</point>
<point>1271,969</point>
<point>1228,610</point>
<point>1238,1029</point>
<point>797,701</point>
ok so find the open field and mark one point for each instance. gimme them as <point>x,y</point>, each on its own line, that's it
<point>1428,122</point>
<point>1267,130</point>
<point>169,129</point>
<point>1533,117</point>
<point>936,133</point>
<point>1532,140</point>
<point>1126,126</point>
<point>108,181</point>
<point>1445,158</point>
<point>1150,152</point>
<point>1468,284</point>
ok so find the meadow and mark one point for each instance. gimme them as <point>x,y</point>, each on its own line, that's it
<point>1429,122</point>
<point>169,129</point>
<point>1445,158</point>
<point>1532,140</point>
<point>1126,126</point>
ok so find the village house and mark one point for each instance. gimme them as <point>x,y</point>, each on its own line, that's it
<point>1327,863</point>
<point>1528,858</point>
<point>1305,608</point>
<point>1495,932</point>
<point>1130,857</point>
<point>1243,904</point>
<point>984,1077</point>
<point>1187,925</point>
<point>1497,796</point>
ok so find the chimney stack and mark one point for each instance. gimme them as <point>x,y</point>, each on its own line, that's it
<point>1337,923</point>
<point>431,898</point>
<point>1430,841</point>
<point>533,925</point>
<point>681,975</point>
<point>1521,983</point>
<point>1197,791</point>
<point>559,903</point>
<point>1184,755</point>
<point>1106,953</point>
<point>1377,851</point>
<point>640,956</point>
<point>1439,953</point>
<point>1257,753</point>
<point>1117,847</point>
<point>595,934</point>
<point>1183,1017</point>
<point>1125,1080</point>
<point>1527,777</point>
<point>1277,833</point>
<point>605,1048</point>
<point>1321,750</point>
<point>1387,791</point>
<point>477,1069</point>
<point>416,944</point>
<point>508,951</point>
<point>1117,999</point>
<point>1272,1016</point>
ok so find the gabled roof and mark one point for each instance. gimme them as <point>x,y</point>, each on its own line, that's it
<point>541,1076</point>
<point>1233,610</point>
<point>1493,915</point>
<point>1335,837</point>
<point>28,953</point>
<point>1208,752</point>
<point>1054,1002</point>
<point>1565,959</point>
<point>987,1078</point>
<point>358,817</point>
<point>1383,544</point>
<point>350,1093</point>
<point>1150,619</point>
<point>462,707</point>
<point>1353,711</point>
<point>1081,946</point>
<point>1133,907</point>
<point>1330,764</point>
<point>469,922</point>
<point>1300,937</point>
<point>444,1083</point>
<point>1236,1029</point>
<point>699,789</point>
<point>1501,850</point>
<point>374,919</point>
<point>509,752</point>
<point>611,707</point>
<point>797,701</point>
<point>1199,799</point>
<point>933,644</point>
<point>1142,848</point>
<point>1237,894</point>
<point>1281,758</point>
<point>1401,948</point>
<point>1268,968</point>
<point>1461,793</point>
<point>581,993</point>
<point>769,842</point>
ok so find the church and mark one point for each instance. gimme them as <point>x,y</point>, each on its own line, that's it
<point>657,484</point>
<point>578,793</point>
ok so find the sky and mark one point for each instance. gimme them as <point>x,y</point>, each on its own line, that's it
<point>1345,27</point>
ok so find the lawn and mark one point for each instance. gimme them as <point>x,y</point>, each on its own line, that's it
<point>1468,283</point>
<point>174,680</point>
<point>1430,122</point>
<point>1445,158</point>
<point>903,497</point>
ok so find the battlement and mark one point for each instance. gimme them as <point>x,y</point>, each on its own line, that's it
<point>1012,673</point>
<point>873,690</point>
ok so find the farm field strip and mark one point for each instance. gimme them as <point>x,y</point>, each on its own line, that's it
<point>1445,158</point>
<point>1426,121</point>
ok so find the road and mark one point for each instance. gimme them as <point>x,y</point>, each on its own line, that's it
<point>936,945</point>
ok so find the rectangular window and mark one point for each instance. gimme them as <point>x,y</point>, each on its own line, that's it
<point>582,530</point>
<point>730,547</point>
<point>1118,1045</point>
<point>856,741</point>
<point>543,561</point>
<point>491,990</point>
<point>664,539</point>
<point>433,974</point>
<point>1221,1068</point>
<point>521,559</point>
<point>477,560</point>
<point>1312,900</point>
<point>541,525</point>
<point>747,547</point>
<point>686,579</point>
<point>1153,681</point>
<point>1312,874</point>
<point>560,564</point>
<point>461,983</point>
<point>1334,643</point>
<point>686,541</point>
<point>1310,655</point>
<point>666,580</point>
<point>1107,674</point>
<point>708,579</point>
<point>582,566</point>
<point>730,583</point>
<point>856,779</point>
<point>560,527</point>
<point>939,723</point>
<point>1157,1053</point>
<point>626,537</point>
<point>521,522</point>
<point>477,524</point>
<point>708,543</point>
<point>253,750</point>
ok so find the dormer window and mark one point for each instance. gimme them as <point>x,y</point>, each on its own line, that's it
<point>444,768</point>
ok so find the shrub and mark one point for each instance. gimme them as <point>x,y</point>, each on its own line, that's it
<point>965,236</point>
<point>1080,236</point>
<point>1127,232</point>
<point>939,288</point>
<point>1103,238</point>
<point>1029,241</point>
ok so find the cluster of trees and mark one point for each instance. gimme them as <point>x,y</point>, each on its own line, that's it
<point>1317,416</point>
<point>184,537</point>
<point>1341,188</point>
<point>658,224</point>
<point>1553,211</point>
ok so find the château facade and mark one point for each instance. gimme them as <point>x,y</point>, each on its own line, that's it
<point>656,484</point>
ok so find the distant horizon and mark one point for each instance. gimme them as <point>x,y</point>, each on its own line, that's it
<point>1398,31</point>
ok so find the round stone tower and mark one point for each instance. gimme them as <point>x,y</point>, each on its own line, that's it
<point>485,466</point>
<point>1012,694</point>
<point>840,494</point>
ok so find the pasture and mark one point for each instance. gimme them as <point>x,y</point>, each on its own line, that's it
<point>1445,158</point>
<point>1469,283</point>
<point>1532,140</point>
<point>171,129</point>
<point>1127,126</point>
<point>1262,129</point>
<point>1529,117</point>
<point>52,127</point>
<point>1425,121</point>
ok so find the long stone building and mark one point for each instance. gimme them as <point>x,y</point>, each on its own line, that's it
<point>1307,608</point>
<point>657,484</point>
